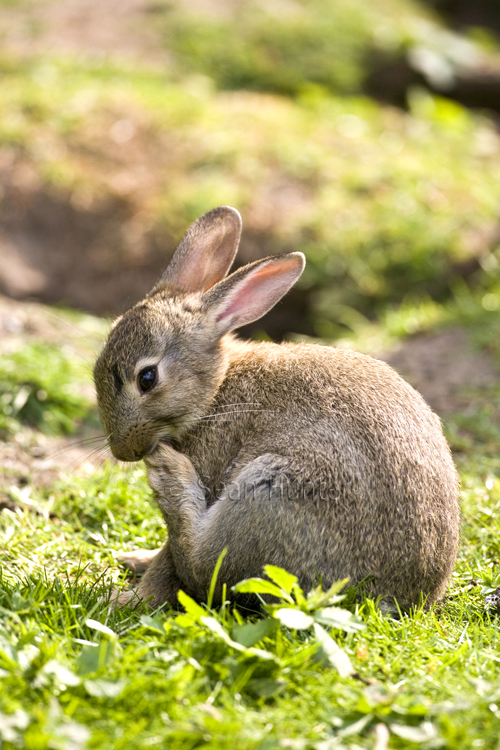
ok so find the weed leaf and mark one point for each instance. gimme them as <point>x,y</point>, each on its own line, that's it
<point>260,586</point>
<point>332,653</point>
<point>293,618</point>
<point>285,580</point>
<point>251,633</point>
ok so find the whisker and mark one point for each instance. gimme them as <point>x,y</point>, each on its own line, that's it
<point>225,413</point>
<point>70,325</point>
<point>89,364</point>
<point>241,403</point>
<point>76,463</point>
<point>86,367</point>
<point>101,460</point>
<point>73,444</point>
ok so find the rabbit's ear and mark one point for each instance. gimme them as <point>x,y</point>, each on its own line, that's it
<point>205,253</point>
<point>251,291</point>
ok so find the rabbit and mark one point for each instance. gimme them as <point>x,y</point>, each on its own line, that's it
<point>316,459</point>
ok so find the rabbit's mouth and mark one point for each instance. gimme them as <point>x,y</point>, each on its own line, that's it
<point>152,448</point>
<point>167,435</point>
<point>171,441</point>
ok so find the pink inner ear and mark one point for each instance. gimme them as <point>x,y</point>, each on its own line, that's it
<point>259,291</point>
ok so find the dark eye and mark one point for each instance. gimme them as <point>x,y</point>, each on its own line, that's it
<point>147,379</point>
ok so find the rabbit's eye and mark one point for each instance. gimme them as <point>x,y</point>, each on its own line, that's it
<point>147,379</point>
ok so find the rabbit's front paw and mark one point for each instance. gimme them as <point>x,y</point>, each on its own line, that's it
<point>170,473</point>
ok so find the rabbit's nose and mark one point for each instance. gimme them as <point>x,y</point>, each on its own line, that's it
<point>126,452</point>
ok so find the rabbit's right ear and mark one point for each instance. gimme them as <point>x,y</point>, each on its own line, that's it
<point>205,253</point>
<point>251,291</point>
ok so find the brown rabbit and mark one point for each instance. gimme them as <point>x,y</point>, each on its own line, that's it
<point>319,460</point>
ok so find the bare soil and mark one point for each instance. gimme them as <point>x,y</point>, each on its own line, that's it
<point>445,367</point>
<point>94,27</point>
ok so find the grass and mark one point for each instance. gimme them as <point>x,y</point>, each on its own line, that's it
<point>75,675</point>
<point>37,388</point>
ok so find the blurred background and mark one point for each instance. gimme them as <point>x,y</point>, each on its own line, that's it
<point>364,134</point>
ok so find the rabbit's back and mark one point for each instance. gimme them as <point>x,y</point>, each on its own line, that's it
<point>314,401</point>
<point>343,436</point>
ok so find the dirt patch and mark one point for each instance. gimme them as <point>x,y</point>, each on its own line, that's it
<point>36,460</point>
<point>61,254</point>
<point>444,367</point>
<point>95,27</point>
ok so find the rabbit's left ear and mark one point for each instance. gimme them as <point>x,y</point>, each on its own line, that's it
<point>251,291</point>
<point>205,253</point>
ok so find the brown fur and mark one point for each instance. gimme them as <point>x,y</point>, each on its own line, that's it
<point>319,460</point>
